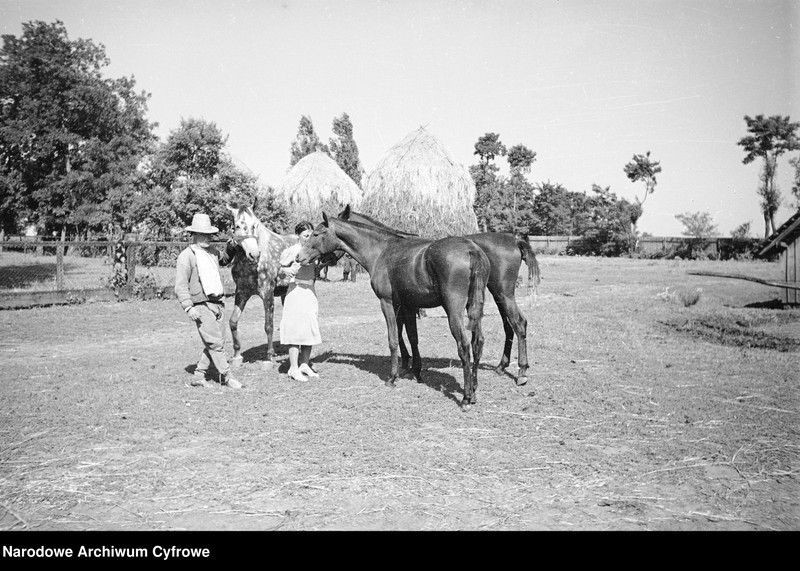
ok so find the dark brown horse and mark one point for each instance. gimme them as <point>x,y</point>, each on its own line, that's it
<point>411,273</point>
<point>506,253</point>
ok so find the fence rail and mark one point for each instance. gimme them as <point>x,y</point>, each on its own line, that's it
<point>42,272</point>
<point>650,245</point>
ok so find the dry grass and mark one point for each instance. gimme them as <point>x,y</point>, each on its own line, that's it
<point>625,424</point>
<point>418,187</point>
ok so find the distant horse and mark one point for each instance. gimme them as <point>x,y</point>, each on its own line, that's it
<point>506,253</point>
<point>255,271</point>
<point>411,273</point>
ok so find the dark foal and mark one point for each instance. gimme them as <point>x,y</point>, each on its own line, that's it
<point>411,273</point>
<point>506,253</point>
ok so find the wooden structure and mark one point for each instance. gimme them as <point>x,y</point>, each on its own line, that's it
<point>786,240</point>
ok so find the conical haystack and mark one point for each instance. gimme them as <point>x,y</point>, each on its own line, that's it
<point>418,187</point>
<point>316,184</point>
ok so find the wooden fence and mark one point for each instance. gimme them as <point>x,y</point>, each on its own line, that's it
<point>43,272</point>
<point>712,246</point>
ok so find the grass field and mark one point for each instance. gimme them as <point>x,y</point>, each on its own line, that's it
<point>644,411</point>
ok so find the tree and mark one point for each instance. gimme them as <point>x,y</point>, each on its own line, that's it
<point>641,168</point>
<point>795,162</point>
<point>698,225</point>
<point>770,138</point>
<point>307,141</point>
<point>741,232</point>
<point>70,139</point>
<point>487,183</point>
<point>192,172</point>
<point>344,149</point>
<point>520,158</point>
<point>552,210</point>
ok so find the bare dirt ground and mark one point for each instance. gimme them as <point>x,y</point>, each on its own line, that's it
<point>640,414</point>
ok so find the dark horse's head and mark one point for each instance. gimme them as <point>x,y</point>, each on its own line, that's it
<point>246,224</point>
<point>324,243</point>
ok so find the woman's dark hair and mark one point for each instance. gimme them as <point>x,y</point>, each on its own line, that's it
<point>302,227</point>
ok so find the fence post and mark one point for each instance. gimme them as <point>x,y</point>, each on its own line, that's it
<point>60,265</point>
<point>131,255</point>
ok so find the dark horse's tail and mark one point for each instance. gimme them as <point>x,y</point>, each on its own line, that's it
<point>534,277</point>
<point>478,275</point>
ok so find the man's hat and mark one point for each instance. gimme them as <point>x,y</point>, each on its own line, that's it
<point>201,224</point>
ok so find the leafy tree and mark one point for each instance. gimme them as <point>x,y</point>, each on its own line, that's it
<point>769,138</point>
<point>795,162</point>
<point>698,225</point>
<point>70,139</point>
<point>344,149</point>
<point>605,221</point>
<point>192,172</point>
<point>488,186</point>
<point>552,210</point>
<point>307,141</point>
<point>741,232</point>
<point>520,158</point>
<point>641,168</point>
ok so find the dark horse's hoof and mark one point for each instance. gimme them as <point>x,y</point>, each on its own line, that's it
<point>465,406</point>
<point>390,383</point>
<point>521,380</point>
<point>499,371</point>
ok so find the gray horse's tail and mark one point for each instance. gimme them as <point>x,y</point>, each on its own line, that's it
<point>529,257</point>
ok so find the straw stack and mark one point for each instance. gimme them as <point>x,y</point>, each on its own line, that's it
<point>418,187</point>
<point>316,184</point>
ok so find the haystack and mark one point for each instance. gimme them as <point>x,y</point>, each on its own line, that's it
<point>316,184</point>
<point>418,187</point>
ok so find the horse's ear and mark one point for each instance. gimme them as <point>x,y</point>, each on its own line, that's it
<point>231,208</point>
<point>324,218</point>
<point>255,201</point>
<point>346,214</point>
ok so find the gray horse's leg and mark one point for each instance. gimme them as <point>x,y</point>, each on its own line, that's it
<point>236,314</point>
<point>269,313</point>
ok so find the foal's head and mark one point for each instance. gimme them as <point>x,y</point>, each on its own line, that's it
<point>323,241</point>
<point>246,226</point>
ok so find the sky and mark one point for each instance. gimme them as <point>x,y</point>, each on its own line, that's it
<point>584,84</point>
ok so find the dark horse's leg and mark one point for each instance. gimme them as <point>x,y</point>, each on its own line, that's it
<point>238,308</point>
<point>404,355</point>
<point>505,358</point>
<point>513,322</point>
<point>455,319</point>
<point>390,314</point>
<point>410,318</point>
<point>477,351</point>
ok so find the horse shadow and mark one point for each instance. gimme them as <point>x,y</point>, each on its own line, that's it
<point>379,366</point>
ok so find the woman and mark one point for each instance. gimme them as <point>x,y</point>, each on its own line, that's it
<point>299,326</point>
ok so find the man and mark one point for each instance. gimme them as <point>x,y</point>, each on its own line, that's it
<point>198,286</point>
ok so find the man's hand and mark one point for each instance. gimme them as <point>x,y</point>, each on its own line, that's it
<point>193,314</point>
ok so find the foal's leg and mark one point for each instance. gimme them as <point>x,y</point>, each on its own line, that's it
<point>240,300</point>
<point>410,316</point>
<point>505,358</point>
<point>477,351</point>
<point>389,314</point>
<point>404,356</point>
<point>520,325</point>
<point>455,317</point>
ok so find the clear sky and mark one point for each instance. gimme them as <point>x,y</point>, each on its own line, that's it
<point>584,84</point>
